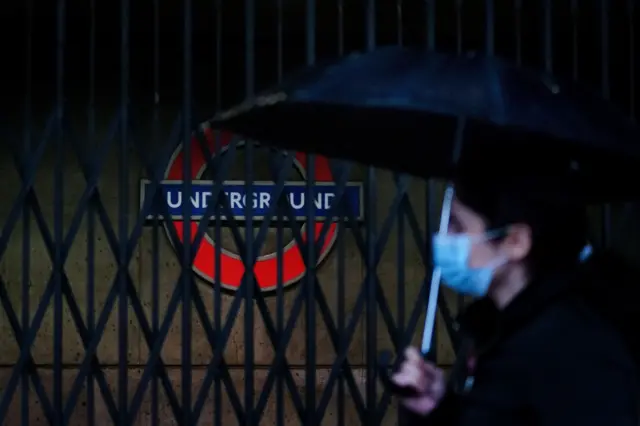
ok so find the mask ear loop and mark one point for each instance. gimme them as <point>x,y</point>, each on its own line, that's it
<point>445,216</point>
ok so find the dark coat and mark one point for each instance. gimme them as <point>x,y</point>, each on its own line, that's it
<point>562,353</point>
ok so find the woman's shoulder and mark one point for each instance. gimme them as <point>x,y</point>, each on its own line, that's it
<point>572,336</point>
<point>579,370</point>
<point>590,312</point>
<point>609,287</point>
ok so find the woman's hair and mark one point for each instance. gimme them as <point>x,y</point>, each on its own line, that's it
<point>606,281</point>
<point>558,226</point>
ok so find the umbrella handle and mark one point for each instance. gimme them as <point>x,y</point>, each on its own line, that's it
<point>384,373</point>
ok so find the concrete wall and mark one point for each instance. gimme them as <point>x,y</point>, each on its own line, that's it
<point>140,269</point>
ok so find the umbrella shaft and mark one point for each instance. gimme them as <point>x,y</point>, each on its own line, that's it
<point>432,301</point>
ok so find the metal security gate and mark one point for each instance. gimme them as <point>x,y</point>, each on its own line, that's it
<point>108,318</point>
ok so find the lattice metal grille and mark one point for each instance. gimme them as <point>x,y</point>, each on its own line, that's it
<point>101,324</point>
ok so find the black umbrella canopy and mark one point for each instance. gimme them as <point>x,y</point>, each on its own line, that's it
<point>403,108</point>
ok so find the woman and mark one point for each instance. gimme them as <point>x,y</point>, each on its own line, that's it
<point>548,342</point>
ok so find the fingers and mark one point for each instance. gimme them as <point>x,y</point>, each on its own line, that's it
<point>410,374</point>
<point>415,372</point>
<point>422,405</point>
<point>411,354</point>
<point>437,386</point>
<point>427,379</point>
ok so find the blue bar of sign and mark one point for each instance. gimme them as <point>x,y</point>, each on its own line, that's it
<point>324,196</point>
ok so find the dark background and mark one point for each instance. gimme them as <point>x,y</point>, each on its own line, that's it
<point>286,35</point>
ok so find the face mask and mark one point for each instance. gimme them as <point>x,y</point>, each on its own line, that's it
<point>451,254</point>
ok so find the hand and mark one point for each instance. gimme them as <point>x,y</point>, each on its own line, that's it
<point>425,377</point>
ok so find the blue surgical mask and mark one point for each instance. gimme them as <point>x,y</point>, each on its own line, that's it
<point>451,254</point>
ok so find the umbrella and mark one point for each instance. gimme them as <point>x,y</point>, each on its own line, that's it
<point>401,108</point>
<point>438,115</point>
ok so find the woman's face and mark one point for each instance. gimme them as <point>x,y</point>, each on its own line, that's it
<point>513,247</point>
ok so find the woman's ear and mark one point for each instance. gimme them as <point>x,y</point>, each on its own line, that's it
<point>517,243</point>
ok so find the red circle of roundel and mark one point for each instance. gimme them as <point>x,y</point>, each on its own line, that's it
<point>231,267</point>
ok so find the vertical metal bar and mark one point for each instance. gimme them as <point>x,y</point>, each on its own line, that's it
<point>155,248</point>
<point>250,414</point>
<point>460,300</point>
<point>401,254</point>
<point>372,303</point>
<point>279,40</point>
<point>123,213</point>
<point>218,42</point>
<point>249,51</point>
<point>548,36</point>
<point>310,306</point>
<point>187,261</point>
<point>91,282</point>
<point>280,321</point>
<point>58,216</point>
<point>340,279</point>
<point>400,265</point>
<point>280,324</point>
<point>574,38</point>
<point>604,45</point>
<point>518,24</point>
<point>217,232</point>
<point>155,301</point>
<point>340,27</point>
<point>430,11</point>
<point>156,68</point>
<point>490,27</point>
<point>91,221</point>
<point>372,306</point>
<point>632,58</point>
<point>370,27</point>
<point>26,216</point>
<point>399,22</point>
<point>217,291</point>
<point>459,32</point>
<point>310,35</point>
<point>249,291</point>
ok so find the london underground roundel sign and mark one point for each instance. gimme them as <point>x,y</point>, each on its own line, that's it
<point>231,267</point>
